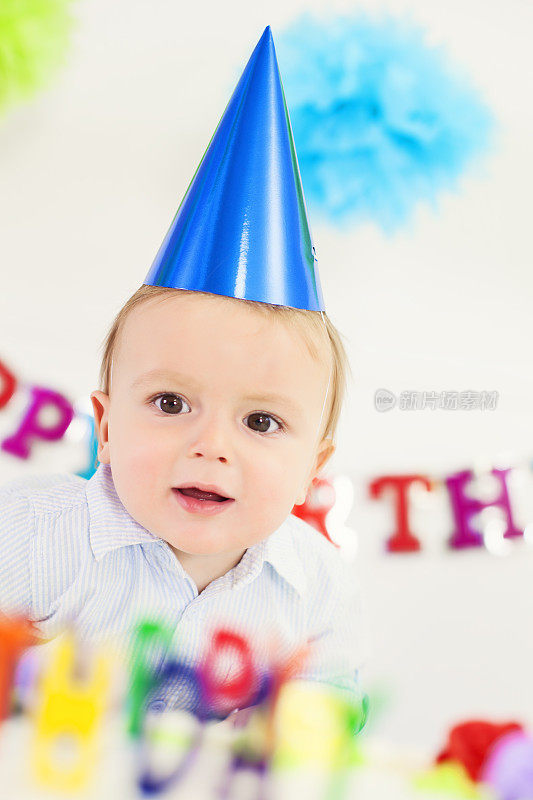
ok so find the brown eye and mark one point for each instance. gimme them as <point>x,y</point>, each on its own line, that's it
<point>261,423</point>
<point>171,403</point>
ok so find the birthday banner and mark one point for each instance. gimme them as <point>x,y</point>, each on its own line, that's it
<point>32,429</point>
<point>322,507</point>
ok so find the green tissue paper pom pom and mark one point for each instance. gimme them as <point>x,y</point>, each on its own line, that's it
<point>34,38</point>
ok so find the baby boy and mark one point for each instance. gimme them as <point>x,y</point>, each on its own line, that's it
<point>219,399</point>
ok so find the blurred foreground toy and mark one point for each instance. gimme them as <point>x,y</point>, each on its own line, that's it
<point>508,768</point>
<point>16,634</point>
<point>469,743</point>
<point>69,714</point>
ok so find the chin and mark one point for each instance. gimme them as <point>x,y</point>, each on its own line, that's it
<point>195,548</point>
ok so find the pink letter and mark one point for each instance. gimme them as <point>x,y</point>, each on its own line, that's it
<point>19,443</point>
<point>465,507</point>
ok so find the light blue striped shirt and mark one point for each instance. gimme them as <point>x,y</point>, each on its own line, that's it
<point>71,554</point>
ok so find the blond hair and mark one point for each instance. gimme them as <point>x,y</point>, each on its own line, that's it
<point>315,328</point>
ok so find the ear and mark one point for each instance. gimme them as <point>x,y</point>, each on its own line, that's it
<point>100,403</point>
<point>324,452</point>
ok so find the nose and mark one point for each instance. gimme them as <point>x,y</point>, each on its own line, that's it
<point>211,440</point>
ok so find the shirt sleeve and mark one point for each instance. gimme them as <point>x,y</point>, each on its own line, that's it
<point>336,651</point>
<point>16,536</point>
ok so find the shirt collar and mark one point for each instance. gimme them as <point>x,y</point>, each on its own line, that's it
<point>280,551</point>
<point>112,527</point>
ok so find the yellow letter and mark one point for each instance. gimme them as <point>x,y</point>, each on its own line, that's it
<point>68,709</point>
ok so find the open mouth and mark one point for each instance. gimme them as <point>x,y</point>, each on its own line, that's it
<point>200,501</point>
<point>199,494</point>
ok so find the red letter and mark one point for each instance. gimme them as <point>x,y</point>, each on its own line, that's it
<point>10,384</point>
<point>217,689</point>
<point>16,633</point>
<point>403,541</point>
<point>319,501</point>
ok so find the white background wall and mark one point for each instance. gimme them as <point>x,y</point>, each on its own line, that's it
<point>92,171</point>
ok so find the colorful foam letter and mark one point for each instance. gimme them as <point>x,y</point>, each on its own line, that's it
<point>464,508</point>
<point>219,691</point>
<point>148,782</point>
<point>69,708</point>
<point>16,633</point>
<point>402,541</point>
<point>313,726</point>
<point>318,503</point>
<point>8,383</point>
<point>148,634</point>
<point>30,427</point>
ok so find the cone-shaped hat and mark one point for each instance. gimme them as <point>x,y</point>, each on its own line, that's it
<point>241,229</point>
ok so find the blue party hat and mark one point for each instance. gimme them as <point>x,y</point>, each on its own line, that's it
<point>241,229</point>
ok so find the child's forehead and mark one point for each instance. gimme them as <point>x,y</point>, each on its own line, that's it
<point>199,316</point>
<point>198,331</point>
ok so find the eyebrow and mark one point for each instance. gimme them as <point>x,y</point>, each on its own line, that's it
<point>164,375</point>
<point>159,374</point>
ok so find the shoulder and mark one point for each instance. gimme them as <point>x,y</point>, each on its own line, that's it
<point>328,578</point>
<point>45,493</point>
<point>42,540</point>
<point>313,549</point>
<point>334,587</point>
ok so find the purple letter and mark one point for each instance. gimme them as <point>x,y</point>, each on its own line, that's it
<point>19,443</point>
<point>465,507</point>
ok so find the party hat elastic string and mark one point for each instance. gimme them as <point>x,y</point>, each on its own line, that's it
<point>317,438</point>
<point>327,387</point>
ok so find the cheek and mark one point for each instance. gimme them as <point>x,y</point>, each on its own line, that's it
<point>133,438</point>
<point>273,478</point>
<point>137,456</point>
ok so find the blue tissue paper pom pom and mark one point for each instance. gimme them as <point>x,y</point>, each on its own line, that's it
<point>380,120</point>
